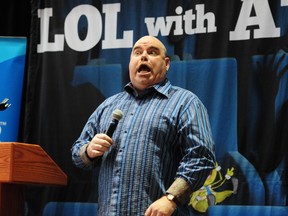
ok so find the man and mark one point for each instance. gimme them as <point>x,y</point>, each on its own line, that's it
<point>162,148</point>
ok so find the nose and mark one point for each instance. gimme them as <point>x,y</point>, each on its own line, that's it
<point>144,56</point>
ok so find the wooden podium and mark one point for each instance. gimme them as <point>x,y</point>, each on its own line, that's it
<point>22,164</point>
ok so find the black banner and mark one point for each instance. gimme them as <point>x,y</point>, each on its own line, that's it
<point>233,54</point>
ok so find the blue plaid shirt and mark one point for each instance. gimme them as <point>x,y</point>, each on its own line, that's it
<point>164,134</point>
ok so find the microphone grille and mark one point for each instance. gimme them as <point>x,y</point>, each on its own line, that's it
<point>117,114</point>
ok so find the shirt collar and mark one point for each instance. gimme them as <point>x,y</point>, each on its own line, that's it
<point>161,88</point>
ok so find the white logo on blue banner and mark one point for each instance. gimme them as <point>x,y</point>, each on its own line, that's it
<point>12,63</point>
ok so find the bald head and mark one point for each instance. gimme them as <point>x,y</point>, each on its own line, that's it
<point>148,62</point>
<point>151,39</point>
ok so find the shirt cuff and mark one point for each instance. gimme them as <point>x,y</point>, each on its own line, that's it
<point>83,155</point>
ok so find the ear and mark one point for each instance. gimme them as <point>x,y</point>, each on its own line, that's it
<point>167,62</point>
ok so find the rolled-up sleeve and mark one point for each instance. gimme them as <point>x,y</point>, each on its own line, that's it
<point>197,145</point>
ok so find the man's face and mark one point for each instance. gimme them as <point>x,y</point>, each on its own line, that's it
<point>148,63</point>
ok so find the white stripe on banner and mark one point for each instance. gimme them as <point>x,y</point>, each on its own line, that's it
<point>12,63</point>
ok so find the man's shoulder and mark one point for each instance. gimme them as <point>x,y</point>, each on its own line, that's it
<point>182,91</point>
<point>117,95</point>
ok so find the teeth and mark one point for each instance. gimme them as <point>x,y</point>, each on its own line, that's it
<point>145,69</point>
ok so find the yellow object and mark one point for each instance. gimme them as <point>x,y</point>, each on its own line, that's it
<point>206,196</point>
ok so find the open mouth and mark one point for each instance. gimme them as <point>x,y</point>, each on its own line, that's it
<point>144,68</point>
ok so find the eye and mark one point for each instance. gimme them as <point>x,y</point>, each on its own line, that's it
<point>137,52</point>
<point>153,52</point>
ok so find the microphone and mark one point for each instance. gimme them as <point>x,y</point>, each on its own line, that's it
<point>116,116</point>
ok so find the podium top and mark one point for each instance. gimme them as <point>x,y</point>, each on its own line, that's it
<point>28,164</point>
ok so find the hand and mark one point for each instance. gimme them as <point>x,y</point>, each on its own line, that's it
<point>161,207</point>
<point>99,145</point>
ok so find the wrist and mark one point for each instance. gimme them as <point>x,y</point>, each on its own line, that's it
<point>172,198</point>
<point>86,153</point>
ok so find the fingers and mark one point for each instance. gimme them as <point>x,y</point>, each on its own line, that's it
<point>99,145</point>
<point>148,212</point>
<point>102,139</point>
<point>161,207</point>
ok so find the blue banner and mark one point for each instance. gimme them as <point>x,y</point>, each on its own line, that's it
<point>12,63</point>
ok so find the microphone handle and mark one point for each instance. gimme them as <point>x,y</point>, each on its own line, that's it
<point>112,127</point>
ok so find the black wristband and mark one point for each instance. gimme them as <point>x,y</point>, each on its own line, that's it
<point>90,159</point>
<point>172,198</point>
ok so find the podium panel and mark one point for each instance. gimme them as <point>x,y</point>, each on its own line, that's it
<point>22,164</point>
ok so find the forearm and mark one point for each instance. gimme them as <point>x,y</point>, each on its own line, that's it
<point>181,190</point>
